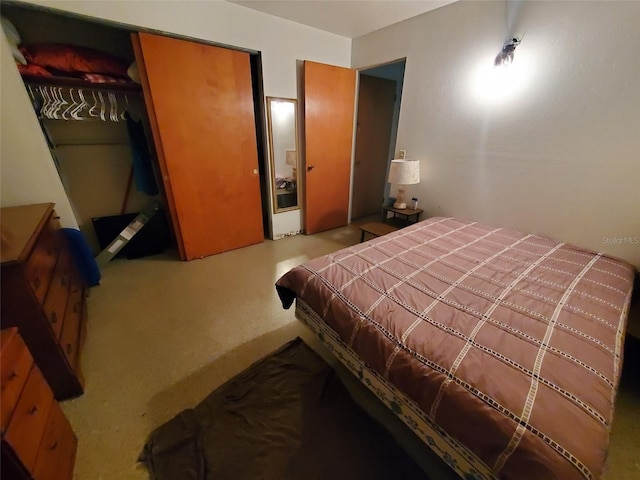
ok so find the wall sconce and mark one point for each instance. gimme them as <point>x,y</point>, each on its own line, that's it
<point>403,172</point>
<point>505,57</point>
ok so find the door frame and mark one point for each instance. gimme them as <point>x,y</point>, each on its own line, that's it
<point>395,121</point>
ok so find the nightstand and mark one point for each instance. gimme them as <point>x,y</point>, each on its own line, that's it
<point>400,218</point>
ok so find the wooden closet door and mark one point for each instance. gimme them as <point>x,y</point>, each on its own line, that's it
<point>329,102</point>
<point>200,99</point>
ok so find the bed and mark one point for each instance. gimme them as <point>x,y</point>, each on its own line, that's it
<point>501,350</point>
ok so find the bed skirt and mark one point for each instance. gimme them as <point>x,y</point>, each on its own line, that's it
<point>452,452</point>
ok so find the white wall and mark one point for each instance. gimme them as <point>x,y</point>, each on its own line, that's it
<point>281,42</point>
<point>27,172</point>
<point>561,155</point>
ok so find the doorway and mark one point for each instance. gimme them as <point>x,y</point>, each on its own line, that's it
<point>379,99</point>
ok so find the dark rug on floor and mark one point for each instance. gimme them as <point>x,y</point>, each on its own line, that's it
<point>287,416</point>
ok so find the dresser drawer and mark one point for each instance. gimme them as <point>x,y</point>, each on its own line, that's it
<point>56,299</point>
<point>70,336</point>
<point>15,365</point>
<point>73,318</point>
<point>38,269</point>
<point>29,419</point>
<point>42,261</point>
<point>57,450</point>
<point>76,295</point>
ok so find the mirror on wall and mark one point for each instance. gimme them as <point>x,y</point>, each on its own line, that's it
<point>283,152</point>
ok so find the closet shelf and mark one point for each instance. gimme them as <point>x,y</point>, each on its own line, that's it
<point>79,83</point>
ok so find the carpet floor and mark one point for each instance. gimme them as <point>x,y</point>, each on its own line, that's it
<point>287,416</point>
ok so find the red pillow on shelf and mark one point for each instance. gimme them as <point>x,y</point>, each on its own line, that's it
<point>74,59</point>
<point>33,71</point>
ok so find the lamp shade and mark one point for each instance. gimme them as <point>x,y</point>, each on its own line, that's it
<point>291,157</point>
<point>404,172</point>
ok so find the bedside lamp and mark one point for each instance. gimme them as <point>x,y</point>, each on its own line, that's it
<point>291,158</point>
<point>403,172</point>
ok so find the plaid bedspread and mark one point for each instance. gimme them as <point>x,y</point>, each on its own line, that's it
<point>511,342</point>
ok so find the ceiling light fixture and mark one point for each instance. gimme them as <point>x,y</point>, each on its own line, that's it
<point>505,57</point>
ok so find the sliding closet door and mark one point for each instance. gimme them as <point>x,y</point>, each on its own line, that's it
<point>201,103</point>
<point>329,102</point>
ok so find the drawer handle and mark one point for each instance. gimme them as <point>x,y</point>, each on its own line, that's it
<point>13,375</point>
<point>54,317</point>
<point>53,445</point>
<point>69,349</point>
<point>33,410</point>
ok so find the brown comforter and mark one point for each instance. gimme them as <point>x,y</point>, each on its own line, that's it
<point>512,343</point>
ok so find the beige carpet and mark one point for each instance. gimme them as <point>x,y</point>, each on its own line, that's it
<point>162,334</point>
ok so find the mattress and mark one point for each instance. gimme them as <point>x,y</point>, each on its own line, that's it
<point>509,344</point>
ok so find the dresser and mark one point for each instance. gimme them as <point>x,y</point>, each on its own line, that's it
<point>37,440</point>
<point>43,294</point>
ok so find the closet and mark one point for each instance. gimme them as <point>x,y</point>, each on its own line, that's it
<point>197,106</point>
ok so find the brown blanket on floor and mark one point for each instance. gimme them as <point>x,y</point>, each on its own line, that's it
<point>287,416</point>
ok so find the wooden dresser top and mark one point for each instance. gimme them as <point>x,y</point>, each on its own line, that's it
<point>6,336</point>
<point>20,227</point>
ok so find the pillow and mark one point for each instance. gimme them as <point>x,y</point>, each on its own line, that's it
<point>75,59</point>
<point>133,74</point>
<point>34,71</point>
<point>99,78</point>
<point>14,40</point>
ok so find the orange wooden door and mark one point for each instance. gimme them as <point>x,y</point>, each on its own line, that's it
<point>329,98</point>
<point>200,99</point>
<point>376,99</point>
